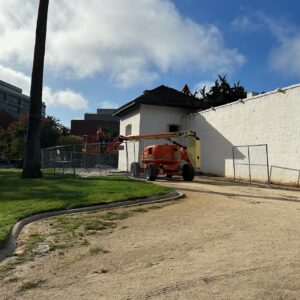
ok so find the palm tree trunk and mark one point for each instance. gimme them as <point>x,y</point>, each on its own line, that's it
<point>32,160</point>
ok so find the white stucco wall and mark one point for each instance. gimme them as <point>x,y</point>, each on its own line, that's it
<point>147,119</point>
<point>134,119</point>
<point>156,119</point>
<point>272,118</point>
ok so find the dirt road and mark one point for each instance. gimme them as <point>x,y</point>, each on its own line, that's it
<point>223,241</point>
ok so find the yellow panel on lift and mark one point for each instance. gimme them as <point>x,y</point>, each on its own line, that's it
<point>194,151</point>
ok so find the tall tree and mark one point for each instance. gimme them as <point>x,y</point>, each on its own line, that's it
<point>32,161</point>
<point>13,138</point>
<point>221,93</point>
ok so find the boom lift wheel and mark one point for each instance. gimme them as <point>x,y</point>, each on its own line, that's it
<point>151,172</point>
<point>135,169</point>
<point>188,173</point>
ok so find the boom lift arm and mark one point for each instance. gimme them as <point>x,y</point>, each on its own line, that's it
<point>193,147</point>
<point>154,136</point>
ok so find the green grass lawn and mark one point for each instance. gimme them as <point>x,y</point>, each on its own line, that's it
<point>20,198</point>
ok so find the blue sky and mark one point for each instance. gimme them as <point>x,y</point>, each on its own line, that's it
<point>105,53</point>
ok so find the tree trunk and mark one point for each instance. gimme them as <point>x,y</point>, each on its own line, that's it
<point>32,160</point>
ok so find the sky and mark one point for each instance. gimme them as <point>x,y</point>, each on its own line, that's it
<point>102,54</point>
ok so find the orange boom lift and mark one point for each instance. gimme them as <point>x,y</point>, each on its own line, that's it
<point>169,159</point>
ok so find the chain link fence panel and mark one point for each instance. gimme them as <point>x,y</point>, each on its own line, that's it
<point>83,160</point>
<point>252,163</point>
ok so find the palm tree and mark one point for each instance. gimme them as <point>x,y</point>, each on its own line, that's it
<point>32,159</point>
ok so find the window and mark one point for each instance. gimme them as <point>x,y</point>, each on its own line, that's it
<point>128,130</point>
<point>13,109</point>
<point>25,104</point>
<point>2,95</point>
<point>13,100</point>
<point>173,128</point>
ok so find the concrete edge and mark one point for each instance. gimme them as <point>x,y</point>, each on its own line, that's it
<point>10,244</point>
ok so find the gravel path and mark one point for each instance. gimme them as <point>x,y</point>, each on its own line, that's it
<point>223,241</point>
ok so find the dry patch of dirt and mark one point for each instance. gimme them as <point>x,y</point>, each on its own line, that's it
<point>223,241</point>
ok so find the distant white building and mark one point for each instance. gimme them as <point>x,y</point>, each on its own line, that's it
<point>271,119</point>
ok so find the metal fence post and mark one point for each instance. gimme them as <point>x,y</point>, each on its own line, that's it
<point>271,173</point>
<point>298,179</point>
<point>74,161</point>
<point>54,161</point>
<point>268,171</point>
<point>233,163</point>
<point>63,162</point>
<point>42,154</point>
<point>249,163</point>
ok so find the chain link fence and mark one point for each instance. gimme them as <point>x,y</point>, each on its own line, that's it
<point>84,160</point>
<point>251,162</point>
<point>94,159</point>
<point>288,176</point>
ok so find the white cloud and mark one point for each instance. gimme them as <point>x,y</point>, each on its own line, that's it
<point>65,98</point>
<point>208,84</point>
<point>200,85</point>
<point>16,78</point>
<point>108,104</point>
<point>286,57</point>
<point>260,21</point>
<point>245,23</point>
<point>279,28</point>
<point>131,41</point>
<point>17,31</point>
